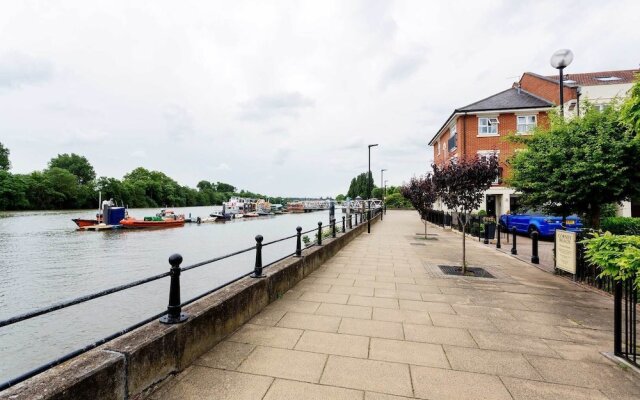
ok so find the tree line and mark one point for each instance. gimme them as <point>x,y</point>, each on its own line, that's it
<point>70,182</point>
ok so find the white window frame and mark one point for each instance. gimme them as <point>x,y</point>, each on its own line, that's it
<point>527,125</point>
<point>483,153</point>
<point>491,123</point>
<point>453,131</point>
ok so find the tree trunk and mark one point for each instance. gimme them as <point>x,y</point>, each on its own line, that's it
<point>595,216</point>
<point>464,249</point>
<point>425,229</point>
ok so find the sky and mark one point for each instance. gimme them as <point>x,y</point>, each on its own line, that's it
<point>276,97</point>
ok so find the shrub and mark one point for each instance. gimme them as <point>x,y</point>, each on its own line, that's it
<point>621,225</point>
<point>617,255</point>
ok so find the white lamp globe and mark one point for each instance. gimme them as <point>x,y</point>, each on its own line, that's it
<point>561,58</point>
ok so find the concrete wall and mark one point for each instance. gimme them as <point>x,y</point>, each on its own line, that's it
<point>128,367</point>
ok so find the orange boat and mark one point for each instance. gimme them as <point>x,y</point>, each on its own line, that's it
<point>165,219</point>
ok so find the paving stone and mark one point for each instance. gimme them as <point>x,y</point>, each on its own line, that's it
<point>372,302</point>
<point>310,321</point>
<point>281,363</point>
<point>397,294</point>
<point>477,311</point>
<point>375,285</point>
<point>341,310</point>
<point>426,306</point>
<point>462,321</point>
<point>418,288</point>
<point>292,390</point>
<point>377,376</point>
<point>406,352</point>
<point>207,383</point>
<point>439,335</point>
<point>579,352</point>
<point>360,291</point>
<point>325,297</point>
<point>294,305</point>
<point>380,396</point>
<point>225,355</point>
<point>338,281</point>
<point>491,362</point>
<point>522,389</point>
<point>268,316</point>
<point>443,384</point>
<point>530,329</point>
<point>267,336</point>
<point>334,343</point>
<point>445,298</point>
<point>515,343</point>
<point>371,328</point>
<point>414,317</point>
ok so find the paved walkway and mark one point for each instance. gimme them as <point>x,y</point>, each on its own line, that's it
<point>379,320</point>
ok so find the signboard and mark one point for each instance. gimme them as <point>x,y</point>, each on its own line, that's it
<point>566,251</point>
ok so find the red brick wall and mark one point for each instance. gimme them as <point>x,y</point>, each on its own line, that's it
<point>546,89</point>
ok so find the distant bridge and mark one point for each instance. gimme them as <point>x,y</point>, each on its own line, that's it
<point>352,205</point>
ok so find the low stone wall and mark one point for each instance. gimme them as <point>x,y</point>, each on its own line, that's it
<point>128,367</point>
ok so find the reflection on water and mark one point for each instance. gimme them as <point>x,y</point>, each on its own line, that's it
<point>45,260</point>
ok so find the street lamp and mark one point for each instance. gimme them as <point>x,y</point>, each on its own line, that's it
<point>384,196</point>
<point>382,180</point>
<point>559,60</point>
<point>369,191</point>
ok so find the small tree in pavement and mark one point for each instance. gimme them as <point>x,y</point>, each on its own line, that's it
<point>461,186</point>
<point>421,193</point>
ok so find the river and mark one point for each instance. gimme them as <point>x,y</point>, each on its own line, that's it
<point>44,260</point>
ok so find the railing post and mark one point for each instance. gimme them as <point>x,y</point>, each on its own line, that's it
<point>344,226</point>
<point>174,310</point>
<point>534,248</point>
<point>380,215</point>
<point>498,229</point>
<point>617,318</point>
<point>514,250</point>
<point>320,233</point>
<point>333,228</point>
<point>257,270</point>
<point>299,242</point>
<point>356,217</point>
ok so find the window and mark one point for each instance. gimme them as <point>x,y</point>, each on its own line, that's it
<point>488,126</point>
<point>453,138</point>
<point>526,123</point>
<point>484,155</point>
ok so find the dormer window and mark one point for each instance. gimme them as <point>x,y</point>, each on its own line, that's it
<point>607,78</point>
<point>488,126</point>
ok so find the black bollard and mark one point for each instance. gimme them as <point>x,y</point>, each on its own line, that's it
<point>514,250</point>
<point>534,248</point>
<point>356,218</point>
<point>486,234</point>
<point>498,232</point>
<point>333,228</point>
<point>175,314</point>
<point>299,242</point>
<point>344,226</point>
<point>368,221</point>
<point>380,214</point>
<point>257,270</point>
<point>320,233</point>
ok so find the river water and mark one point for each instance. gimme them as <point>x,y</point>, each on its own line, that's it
<point>44,260</point>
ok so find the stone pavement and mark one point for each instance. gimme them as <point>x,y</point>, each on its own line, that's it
<point>379,321</point>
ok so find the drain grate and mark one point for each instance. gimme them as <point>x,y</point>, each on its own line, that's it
<point>472,272</point>
<point>417,244</point>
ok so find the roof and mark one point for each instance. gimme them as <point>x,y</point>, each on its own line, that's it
<point>510,99</point>
<point>596,78</point>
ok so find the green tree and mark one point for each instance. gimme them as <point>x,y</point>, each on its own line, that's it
<point>578,165</point>
<point>13,191</point>
<point>397,200</point>
<point>76,164</point>
<point>225,187</point>
<point>631,108</point>
<point>376,193</point>
<point>340,197</point>
<point>5,164</point>
<point>358,186</point>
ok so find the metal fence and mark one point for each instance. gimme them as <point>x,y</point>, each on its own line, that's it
<point>173,314</point>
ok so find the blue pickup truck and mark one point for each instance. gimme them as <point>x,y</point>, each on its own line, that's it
<point>545,225</point>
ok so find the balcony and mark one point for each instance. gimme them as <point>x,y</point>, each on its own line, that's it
<point>452,144</point>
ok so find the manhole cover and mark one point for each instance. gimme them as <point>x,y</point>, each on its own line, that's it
<point>417,244</point>
<point>472,272</point>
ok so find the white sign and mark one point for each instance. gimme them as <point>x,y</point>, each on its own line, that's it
<point>566,251</point>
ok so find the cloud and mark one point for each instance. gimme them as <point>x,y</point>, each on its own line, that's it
<point>139,154</point>
<point>286,104</point>
<point>179,122</point>
<point>402,68</point>
<point>223,167</point>
<point>282,154</point>
<point>19,69</point>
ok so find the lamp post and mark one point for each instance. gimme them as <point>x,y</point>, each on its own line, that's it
<point>559,60</point>
<point>382,180</point>
<point>384,196</point>
<point>369,191</point>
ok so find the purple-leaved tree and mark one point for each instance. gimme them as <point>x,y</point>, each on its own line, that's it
<point>422,194</point>
<point>461,186</point>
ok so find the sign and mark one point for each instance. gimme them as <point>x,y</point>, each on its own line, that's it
<point>566,251</point>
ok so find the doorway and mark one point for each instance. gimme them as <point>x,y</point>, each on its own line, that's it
<point>491,205</point>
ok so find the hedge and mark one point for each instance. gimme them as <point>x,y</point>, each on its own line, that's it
<point>621,225</point>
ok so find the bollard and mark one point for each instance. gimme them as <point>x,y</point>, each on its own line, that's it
<point>486,234</point>
<point>320,233</point>
<point>380,215</point>
<point>257,270</point>
<point>350,222</point>
<point>356,217</point>
<point>333,228</point>
<point>534,248</point>
<point>368,221</point>
<point>174,310</point>
<point>344,230</point>
<point>514,250</point>
<point>498,233</point>
<point>299,242</point>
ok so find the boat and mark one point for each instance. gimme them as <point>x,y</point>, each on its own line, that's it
<point>295,207</point>
<point>108,216</point>
<point>82,222</point>
<point>206,220</point>
<point>151,222</point>
<point>263,208</point>
<point>252,214</point>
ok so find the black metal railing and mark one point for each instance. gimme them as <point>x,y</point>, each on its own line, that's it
<point>625,320</point>
<point>174,314</point>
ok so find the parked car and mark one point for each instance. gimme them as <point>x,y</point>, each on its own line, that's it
<point>545,225</point>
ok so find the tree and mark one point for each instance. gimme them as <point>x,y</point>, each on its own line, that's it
<point>76,164</point>
<point>225,187</point>
<point>396,200</point>
<point>358,186</point>
<point>376,193</point>
<point>461,186</point>
<point>422,194</point>
<point>631,108</point>
<point>579,165</point>
<point>5,164</point>
<point>340,197</point>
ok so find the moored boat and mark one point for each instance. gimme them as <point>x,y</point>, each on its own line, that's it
<point>151,222</point>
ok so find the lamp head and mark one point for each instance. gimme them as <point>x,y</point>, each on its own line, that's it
<point>561,58</point>
<point>373,145</point>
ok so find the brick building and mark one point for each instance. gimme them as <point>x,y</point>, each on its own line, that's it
<point>481,127</point>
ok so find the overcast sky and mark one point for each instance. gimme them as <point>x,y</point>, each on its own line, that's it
<point>279,97</point>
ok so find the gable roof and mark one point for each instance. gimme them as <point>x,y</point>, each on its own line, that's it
<point>510,99</point>
<point>591,78</point>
